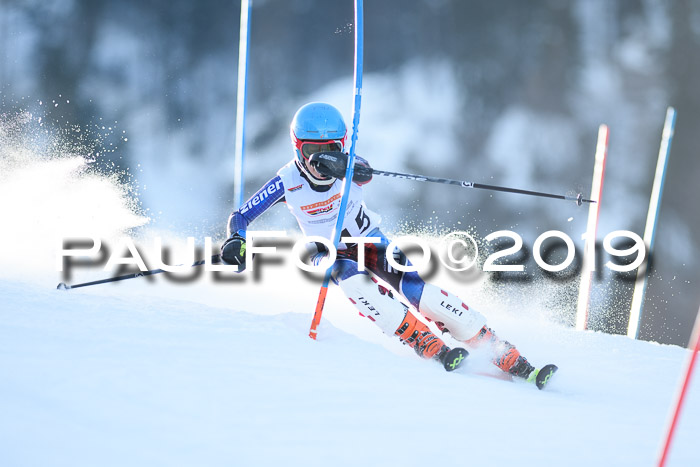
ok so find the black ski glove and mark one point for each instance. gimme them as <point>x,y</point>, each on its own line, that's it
<point>333,164</point>
<point>233,251</point>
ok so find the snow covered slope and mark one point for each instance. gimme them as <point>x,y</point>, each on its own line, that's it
<point>131,378</point>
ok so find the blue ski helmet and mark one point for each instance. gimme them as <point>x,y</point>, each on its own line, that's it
<point>317,127</point>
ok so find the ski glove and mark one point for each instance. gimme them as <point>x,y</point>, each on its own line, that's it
<point>334,163</point>
<point>233,251</point>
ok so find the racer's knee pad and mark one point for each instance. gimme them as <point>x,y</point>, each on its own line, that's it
<point>450,313</point>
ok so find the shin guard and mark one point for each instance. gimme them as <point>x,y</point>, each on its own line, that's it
<point>374,302</point>
<point>377,304</point>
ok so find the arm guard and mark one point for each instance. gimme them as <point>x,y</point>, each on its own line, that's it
<point>270,194</point>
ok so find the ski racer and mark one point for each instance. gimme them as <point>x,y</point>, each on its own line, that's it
<point>314,200</point>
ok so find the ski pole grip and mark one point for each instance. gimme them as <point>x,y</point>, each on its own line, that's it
<point>334,163</point>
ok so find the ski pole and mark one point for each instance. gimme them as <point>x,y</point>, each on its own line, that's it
<point>448,181</point>
<point>64,286</point>
<point>332,163</point>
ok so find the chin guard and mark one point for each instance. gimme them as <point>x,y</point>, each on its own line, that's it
<point>334,163</point>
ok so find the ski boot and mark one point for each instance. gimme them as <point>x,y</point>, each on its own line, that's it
<point>508,359</point>
<point>415,334</point>
<point>523,369</point>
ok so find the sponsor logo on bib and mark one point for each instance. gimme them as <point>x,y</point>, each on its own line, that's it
<point>322,207</point>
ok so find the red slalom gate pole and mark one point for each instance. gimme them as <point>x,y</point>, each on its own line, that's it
<point>695,341</point>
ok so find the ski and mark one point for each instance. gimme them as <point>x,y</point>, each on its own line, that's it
<point>454,358</point>
<point>542,376</point>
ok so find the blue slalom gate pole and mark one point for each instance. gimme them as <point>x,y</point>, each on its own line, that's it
<point>349,171</point>
<point>652,219</point>
<point>243,49</point>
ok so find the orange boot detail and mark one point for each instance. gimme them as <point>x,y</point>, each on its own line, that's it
<point>506,356</point>
<point>420,338</point>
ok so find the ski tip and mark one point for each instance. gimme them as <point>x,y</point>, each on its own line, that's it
<point>63,286</point>
<point>454,358</point>
<point>544,375</point>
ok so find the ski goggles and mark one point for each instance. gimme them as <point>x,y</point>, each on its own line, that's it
<point>312,147</point>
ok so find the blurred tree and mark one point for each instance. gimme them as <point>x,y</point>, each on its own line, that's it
<point>541,72</point>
